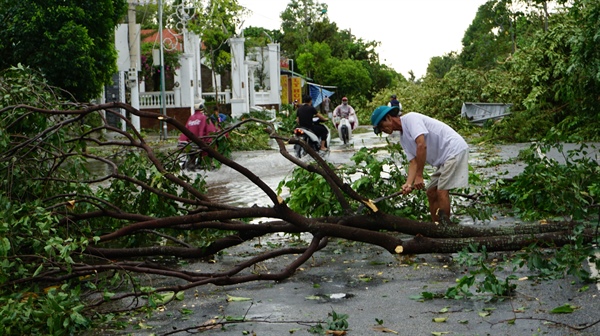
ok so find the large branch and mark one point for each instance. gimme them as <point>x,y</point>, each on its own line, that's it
<point>198,212</point>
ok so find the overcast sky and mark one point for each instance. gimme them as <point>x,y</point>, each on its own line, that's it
<point>410,31</point>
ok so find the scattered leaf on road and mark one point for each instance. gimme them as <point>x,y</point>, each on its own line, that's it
<point>385,330</point>
<point>237,298</point>
<point>564,309</point>
<point>335,332</point>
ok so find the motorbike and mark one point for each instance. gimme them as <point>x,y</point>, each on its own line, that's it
<point>344,128</point>
<point>188,158</point>
<point>310,138</point>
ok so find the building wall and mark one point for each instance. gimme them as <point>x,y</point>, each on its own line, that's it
<point>180,114</point>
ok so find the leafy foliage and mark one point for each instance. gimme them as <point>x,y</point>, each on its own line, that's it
<point>298,22</point>
<point>77,38</point>
<point>375,173</point>
<point>215,21</point>
<point>28,227</point>
<point>549,188</point>
<point>150,72</point>
<point>548,72</point>
<point>334,322</point>
<point>489,37</point>
<point>331,56</point>
<point>488,281</point>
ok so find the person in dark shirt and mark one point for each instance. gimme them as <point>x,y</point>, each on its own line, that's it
<point>217,117</point>
<point>304,116</point>
<point>394,102</point>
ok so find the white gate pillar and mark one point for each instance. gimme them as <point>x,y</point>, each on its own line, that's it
<point>239,78</point>
<point>274,75</point>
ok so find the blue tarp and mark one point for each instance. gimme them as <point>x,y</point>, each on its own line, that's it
<point>317,93</point>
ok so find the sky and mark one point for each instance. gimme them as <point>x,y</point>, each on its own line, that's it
<point>411,32</point>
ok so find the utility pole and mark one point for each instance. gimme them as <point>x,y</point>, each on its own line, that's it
<point>162,69</point>
<point>132,74</point>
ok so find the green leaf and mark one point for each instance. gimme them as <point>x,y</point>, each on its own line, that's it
<point>439,319</point>
<point>584,288</point>
<point>143,325</point>
<point>38,270</point>
<point>237,298</point>
<point>564,309</point>
<point>234,318</point>
<point>164,298</point>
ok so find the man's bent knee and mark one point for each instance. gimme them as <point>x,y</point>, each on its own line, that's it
<point>432,193</point>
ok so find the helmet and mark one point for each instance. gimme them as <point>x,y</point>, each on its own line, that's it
<point>393,96</point>
<point>378,115</point>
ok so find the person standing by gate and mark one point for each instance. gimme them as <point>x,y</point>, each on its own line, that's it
<point>325,105</point>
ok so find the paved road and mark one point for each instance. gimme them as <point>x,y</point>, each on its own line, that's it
<point>370,285</point>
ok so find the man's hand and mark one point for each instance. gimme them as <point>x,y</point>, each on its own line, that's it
<point>419,183</point>
<point>406,189</point>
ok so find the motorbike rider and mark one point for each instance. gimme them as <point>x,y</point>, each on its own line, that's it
<point>344,110</point>
<point>394,102</point>
<point>198,124</point>
<point>304,117</point>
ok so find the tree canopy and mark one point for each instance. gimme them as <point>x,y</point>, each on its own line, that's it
<point>70,42</point>
<point>331,56</point>
<point>215,22</point>
<point>542,60</point>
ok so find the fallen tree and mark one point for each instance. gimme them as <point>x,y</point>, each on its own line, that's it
<point>64,225</point>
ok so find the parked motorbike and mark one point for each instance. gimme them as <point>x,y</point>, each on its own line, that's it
<point>310,138</point>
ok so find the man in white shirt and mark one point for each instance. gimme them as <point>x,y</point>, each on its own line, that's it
<point>425,139</point>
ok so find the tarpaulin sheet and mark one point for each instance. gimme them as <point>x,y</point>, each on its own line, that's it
<point>317,93</point>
